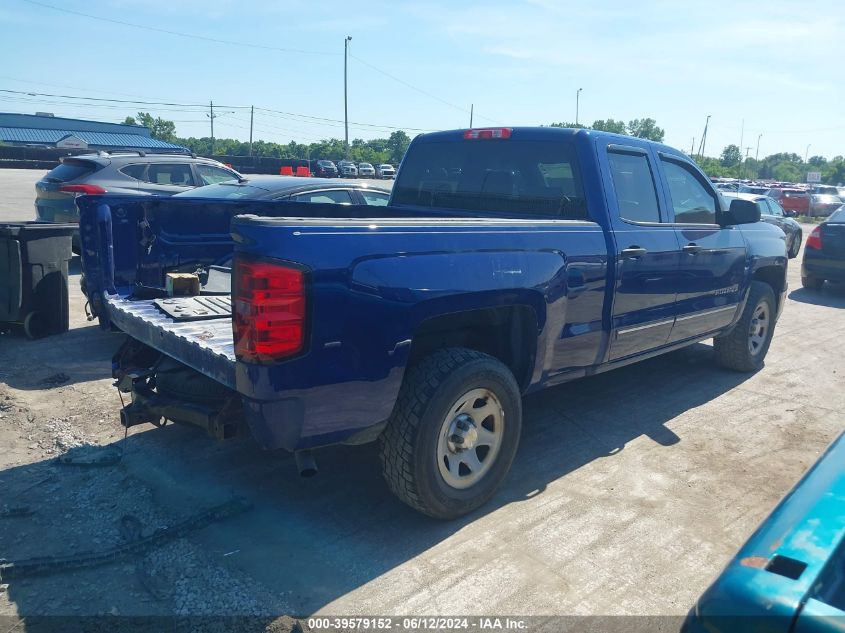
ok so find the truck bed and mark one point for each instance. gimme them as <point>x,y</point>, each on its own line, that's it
<point>205,345</point>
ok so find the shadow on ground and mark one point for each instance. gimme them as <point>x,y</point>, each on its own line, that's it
<point>310,542</point>
<point>831,295</point>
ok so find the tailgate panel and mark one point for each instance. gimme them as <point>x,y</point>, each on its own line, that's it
<point>206,346</point>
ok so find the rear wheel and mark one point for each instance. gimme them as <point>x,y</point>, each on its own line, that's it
<point>812,283</point>
<point>795,246</point>
<point>453,433</point>
<point>746,346</point>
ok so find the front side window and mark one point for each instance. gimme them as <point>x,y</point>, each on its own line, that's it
<point>336,196</point>
<point>170,174</point>
<point>634,187</point>
<point>211,175</point>
<point>691,201</point>
<point>509,177</point>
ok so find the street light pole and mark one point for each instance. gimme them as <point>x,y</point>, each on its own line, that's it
<point>757,153</point>
<point>345,107</point>
<point>807,152</point>
<point>577,103</point>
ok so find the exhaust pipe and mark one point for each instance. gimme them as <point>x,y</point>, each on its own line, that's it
<point>305,463</point>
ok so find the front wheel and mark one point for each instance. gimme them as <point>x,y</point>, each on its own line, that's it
<point>453,433</point>
<point>746,346</point>
<point>796,246</point>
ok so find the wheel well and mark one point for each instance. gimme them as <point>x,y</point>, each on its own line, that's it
<point>775,276</point>
<point>508,333</point>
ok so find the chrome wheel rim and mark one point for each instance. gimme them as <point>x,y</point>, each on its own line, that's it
<point>759,329</point>
<point>470,438</point>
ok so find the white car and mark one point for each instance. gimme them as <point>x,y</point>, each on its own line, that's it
<point>366,170</point>
<point>347,169</point>
<point>385,171</point>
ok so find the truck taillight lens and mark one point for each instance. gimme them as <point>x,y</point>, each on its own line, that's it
<point>487,132</point>
<point>814,241</point>
<point>268,310</point>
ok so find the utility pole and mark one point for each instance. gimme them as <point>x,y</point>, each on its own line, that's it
<point>807,152</point>
<point>703,143</point>
<point>251,116</point>
<point>577,103</point>
<point>471,108</point>
<point>345,107</point>
<point>211,116</point>
<point>747,151</point>
<point>757,153</point>
<point>692,147</point>
<point>742,134</point>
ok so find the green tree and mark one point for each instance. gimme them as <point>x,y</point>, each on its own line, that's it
<point>646,128</point>
<point>161,129</point>
<point>609,125</point>
<point>397,145</point>
<point>731,156</point>
<point>566,124</point>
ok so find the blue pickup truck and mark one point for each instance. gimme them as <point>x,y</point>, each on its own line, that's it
<point>508,260</point>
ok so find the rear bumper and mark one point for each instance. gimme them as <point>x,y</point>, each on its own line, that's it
<point>822,267</point>
<point>59,211</point>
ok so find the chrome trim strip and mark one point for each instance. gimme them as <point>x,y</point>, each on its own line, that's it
<point>637,328</point>
<point>707,313</point>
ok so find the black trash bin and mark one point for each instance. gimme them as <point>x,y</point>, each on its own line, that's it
<point>34,260</point>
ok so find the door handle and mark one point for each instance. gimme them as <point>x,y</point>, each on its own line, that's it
<point>632,252</point>
<point>692,249</point>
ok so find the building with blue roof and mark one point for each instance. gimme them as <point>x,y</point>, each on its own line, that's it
<point>46,130</point>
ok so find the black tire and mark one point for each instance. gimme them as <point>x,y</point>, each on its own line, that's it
<point>409,443</point>
<point>796,246</point>
<point>175,380</point>
<point>812,283</point>
<point>733,350</point>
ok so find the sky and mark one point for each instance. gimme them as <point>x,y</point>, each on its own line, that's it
<point>770,68</point>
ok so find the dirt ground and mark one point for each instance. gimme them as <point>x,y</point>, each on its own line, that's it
<point>630,492</point>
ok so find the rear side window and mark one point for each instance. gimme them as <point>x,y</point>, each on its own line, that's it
<point>508,177</point>
<point>691,200</point>
<point>134,171</point>
<point>170,174</point>
<point>375,198</point>
<point>337,196</point>
<point>634,186</point>
<point>71,170</point>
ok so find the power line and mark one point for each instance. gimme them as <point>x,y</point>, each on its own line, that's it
<point>164,103</point>
<point>178,33</point>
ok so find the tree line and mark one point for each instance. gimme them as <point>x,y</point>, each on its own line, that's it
<point>783,166</point>
<point>375,151</point>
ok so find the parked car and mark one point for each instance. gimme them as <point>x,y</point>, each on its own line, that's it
<point>366,170</point>
<point>823,204</point>
<point>385,171</point>
<point>293,188</point>
<point>347,169</point>
<point>825,189</point>
<point>797,200</point>
<point>824,252</point>
<point>788,577</point>
<point>773,213</point>
<point>136,173</point>
<point>757,189</point>
<point>325,169</point>
<point>508,260</point>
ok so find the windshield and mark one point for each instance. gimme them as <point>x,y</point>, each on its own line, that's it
<point>521,178</point>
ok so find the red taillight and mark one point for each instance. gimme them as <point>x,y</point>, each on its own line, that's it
<point>814,241</point>
<point>488,132</point>
<point>91,190</point>
<point>269,310</point>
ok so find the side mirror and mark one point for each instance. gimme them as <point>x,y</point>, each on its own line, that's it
<point>740,212</point>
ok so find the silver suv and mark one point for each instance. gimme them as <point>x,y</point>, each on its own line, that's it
<point>121,172</point>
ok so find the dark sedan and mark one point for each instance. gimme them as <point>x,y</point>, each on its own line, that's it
<point>325,169</point>
<point>294,188</point>
<point>773,213</point>
<point>824,252</point>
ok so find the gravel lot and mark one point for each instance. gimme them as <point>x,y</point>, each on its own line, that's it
<point>630,492</point>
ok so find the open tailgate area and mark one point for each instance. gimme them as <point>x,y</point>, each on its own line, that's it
<point>206,344</point>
